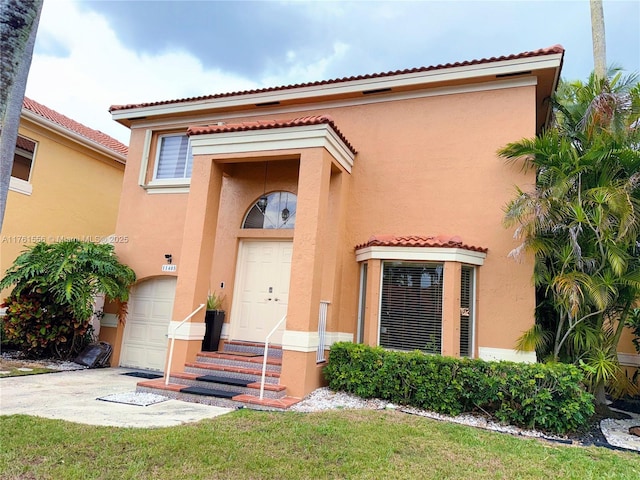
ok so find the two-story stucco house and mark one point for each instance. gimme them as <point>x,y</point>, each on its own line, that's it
<point>65,182</point>
<point>365,208</point>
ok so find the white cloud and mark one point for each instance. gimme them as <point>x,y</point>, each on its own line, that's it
<point>91,70</point>
<point>296,71</point>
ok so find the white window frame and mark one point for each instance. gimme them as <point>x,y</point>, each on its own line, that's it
<point>159,151</point>
<point>18,185</point>
<point>163,185</point>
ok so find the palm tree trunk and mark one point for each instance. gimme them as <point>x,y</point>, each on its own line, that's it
<point>598,37</point>
<point>18,25</point>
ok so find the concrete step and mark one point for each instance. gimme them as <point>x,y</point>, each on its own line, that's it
<point>250,374</point>
<point>222,358</point>
<point>275,351</point>
<point>233,384</point>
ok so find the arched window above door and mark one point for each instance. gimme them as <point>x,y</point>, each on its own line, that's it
<point>275,210</point>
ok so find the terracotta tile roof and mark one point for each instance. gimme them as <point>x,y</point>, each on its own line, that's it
<point>433,241</point>
<point>75,127</point>
<point>267,124</point>
<point>26,144</point>
<point>555,49</point>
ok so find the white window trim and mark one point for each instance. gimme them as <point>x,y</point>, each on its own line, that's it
<point>17,184</point>
<point>169,181</point>
<point>165,185</point>
<point>423,254</point>
<point>20,186</point>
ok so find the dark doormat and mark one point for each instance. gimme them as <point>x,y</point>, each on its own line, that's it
<point>147,375</point>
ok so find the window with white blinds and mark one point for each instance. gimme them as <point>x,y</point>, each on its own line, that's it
<point>466,312</point>
<point>411,306</point>
<point>174,157</point>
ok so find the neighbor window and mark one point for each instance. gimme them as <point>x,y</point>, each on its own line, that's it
<point>23,158</point>
<point>175,159</point>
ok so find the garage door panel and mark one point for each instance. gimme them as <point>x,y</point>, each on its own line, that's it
<point>161,310</point>
<point>137,333</point>
<point>139,307</point>
<point>158,334</point>
<point>145,337</point>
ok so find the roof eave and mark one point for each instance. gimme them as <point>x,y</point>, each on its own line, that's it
<point>71,135</point>
<point>413,79</point>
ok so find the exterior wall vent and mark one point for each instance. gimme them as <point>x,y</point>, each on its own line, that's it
<point>376,90</point>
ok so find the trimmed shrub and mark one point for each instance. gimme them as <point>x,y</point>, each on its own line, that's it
<point>39,327</point>
<point>549,397</point>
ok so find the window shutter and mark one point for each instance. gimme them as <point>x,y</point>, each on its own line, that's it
<point>175,159</point>
<point>411,307</point>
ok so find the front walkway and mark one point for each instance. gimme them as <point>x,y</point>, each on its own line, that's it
<point>73,396</point>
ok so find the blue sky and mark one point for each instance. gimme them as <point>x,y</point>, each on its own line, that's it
<point>92,54</point>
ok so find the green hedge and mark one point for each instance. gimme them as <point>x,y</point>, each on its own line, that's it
<point>547,397</point>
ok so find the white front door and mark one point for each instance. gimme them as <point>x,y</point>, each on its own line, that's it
<point>144,343</point>
<point>262,290</point>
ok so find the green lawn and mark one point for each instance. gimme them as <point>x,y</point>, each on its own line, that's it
<point>270,445</point>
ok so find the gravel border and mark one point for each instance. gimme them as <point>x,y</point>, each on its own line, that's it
<point>53,364</point>
<point>324,399</point>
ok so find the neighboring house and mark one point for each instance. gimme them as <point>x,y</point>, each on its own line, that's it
<point>366,208</point>
<point>65,183</point>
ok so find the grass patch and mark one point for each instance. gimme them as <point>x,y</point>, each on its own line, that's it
<point>17,368</point>
<point>248,444</point>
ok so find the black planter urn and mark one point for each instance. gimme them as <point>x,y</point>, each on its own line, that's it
<point>213,320</point>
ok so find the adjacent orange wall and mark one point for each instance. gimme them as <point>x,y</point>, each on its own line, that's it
<point>76,193</point>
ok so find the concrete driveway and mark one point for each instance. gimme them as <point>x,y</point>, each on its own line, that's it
<point>73,396</point>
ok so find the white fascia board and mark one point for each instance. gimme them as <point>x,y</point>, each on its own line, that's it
<point>71,135</point>
<point>467,72</point>
<point>432,254</point>
<point>200,119</point>
<point>252,141</point>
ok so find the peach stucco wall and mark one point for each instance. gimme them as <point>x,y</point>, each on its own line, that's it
<point>424,166</point>
<point>75,194</point>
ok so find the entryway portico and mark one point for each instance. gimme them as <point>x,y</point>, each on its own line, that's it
<point>224,157</point>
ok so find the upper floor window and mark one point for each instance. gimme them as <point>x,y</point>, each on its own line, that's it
<point>272,211</point>
<point>175,158</point>
<point>23,158</point>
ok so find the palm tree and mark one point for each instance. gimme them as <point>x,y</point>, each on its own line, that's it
<point>582,222</point>
<point>598,37</point>
<point>18,25</point>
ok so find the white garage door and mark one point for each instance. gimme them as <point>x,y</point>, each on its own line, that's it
<point>144,343</point>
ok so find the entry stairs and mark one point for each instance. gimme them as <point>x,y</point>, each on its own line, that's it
<point>228,378</point>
